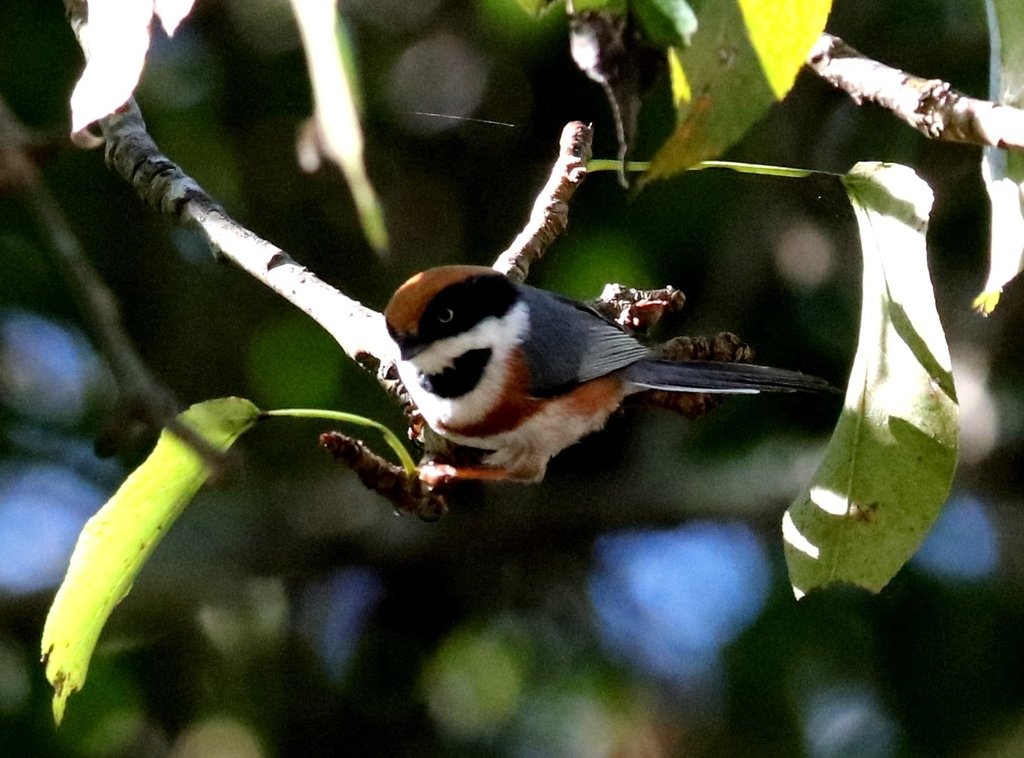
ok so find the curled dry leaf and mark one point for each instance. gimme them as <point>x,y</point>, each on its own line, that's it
<point>115,40</point>
<point>607,47</point>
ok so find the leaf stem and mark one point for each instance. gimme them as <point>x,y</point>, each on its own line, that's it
<point>612,164</point>
<point>762,169</point>
<point>609,164</point>
<point>350,418</point>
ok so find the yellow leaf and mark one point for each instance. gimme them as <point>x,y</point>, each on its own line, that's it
<point>118,539</point>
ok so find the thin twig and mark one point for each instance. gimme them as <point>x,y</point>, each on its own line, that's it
<point>931,106</point>
<point>143,396</point>
<point>550,214</point>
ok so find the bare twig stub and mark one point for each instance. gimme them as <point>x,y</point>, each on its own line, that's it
<point>931,106</point>
<point>638,310</point>
<point>408,493</point>
<point>550,214</point>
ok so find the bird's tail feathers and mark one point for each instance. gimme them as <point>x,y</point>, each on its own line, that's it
<point>721,378</point>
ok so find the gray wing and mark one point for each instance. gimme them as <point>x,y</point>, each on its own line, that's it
<point>575,345</point>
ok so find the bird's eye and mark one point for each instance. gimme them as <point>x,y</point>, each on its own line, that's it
<point>446,315</point>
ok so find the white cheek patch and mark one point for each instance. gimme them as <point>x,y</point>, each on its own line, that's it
<point>499,335</point>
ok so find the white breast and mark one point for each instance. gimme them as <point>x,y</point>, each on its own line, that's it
<point>524,452</point>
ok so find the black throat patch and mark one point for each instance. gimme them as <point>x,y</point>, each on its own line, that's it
<point>461,377</point>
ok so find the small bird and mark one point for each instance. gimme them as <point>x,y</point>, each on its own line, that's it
<point>524,373</point>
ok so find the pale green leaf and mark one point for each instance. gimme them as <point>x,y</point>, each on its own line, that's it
<point>888,467</point>
<point>743,57</point>
<point>335,131</point>
<point>666,23</point>
<point>1003,170</point>
<point>118,539</point>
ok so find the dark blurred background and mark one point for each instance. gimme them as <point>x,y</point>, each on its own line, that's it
<point>635,603</point>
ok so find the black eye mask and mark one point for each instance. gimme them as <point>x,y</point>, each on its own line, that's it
<point>459,307</point>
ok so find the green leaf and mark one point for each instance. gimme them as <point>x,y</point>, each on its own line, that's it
<point>667,23</point>
<point>888,467</point>
<point>743,57</point>
<point>1003,170</point>
<point>118,539</point>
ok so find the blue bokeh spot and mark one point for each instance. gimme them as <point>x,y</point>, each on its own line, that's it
<point>963,544</point>
<point>42,510</point>
<point>669,601</point>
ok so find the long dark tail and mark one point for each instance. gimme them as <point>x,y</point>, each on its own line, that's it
<point>731,378</point>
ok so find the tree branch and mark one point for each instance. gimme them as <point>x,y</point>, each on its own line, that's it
<point>931,106</point>
<point>131,153</point>
<point>550,214</point>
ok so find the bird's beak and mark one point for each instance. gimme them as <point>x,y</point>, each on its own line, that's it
<point>410,352</point>
<point>408,347</point>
